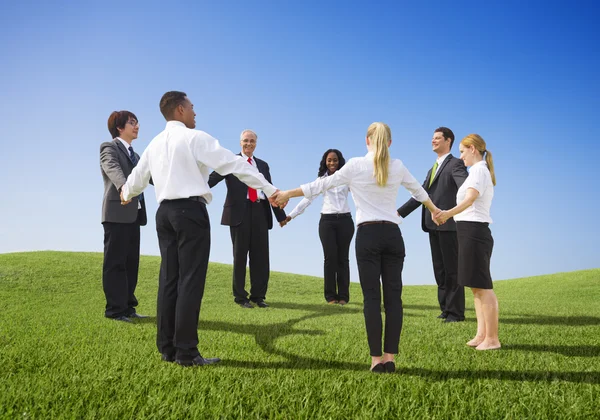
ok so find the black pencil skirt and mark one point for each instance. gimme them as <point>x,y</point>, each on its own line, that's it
<point>475,244</point>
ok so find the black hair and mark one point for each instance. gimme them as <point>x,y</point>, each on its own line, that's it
<point>323,164</point>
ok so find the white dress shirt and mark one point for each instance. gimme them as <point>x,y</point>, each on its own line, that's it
<point>479,179</point>
<point>127,146</point>
<point>178,160</point>
<point>335,201</point>
<point>261,195</point>
<point>372,202</point>
<point>439,161</point>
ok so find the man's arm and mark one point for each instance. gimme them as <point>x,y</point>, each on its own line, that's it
<point>459,173</point>
<point>214,178</point>
<point>109,161</point>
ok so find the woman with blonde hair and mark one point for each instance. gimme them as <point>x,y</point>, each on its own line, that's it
<point>475,242</point>
<point>374,181</point>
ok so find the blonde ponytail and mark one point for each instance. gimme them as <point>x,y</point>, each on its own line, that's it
<point>490,164</point>
<point>380,135</point>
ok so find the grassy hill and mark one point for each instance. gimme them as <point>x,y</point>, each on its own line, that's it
<point>298,359</point>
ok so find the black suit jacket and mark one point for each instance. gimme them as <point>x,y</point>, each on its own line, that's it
<point>449,177</point>
<point>237,193</point>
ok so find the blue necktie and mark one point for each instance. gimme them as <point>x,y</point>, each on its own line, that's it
<point>133,157</point>
<point>135,161</point>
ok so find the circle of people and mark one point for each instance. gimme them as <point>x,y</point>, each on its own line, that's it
<point>455,214</point>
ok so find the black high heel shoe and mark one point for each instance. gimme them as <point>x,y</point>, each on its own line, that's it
<point>390,367</point>
<point>378,368</point>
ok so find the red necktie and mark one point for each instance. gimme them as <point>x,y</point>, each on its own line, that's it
<point>252,195</point>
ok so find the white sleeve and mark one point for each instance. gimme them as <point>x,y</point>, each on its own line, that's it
<point>138,179</point>
<point>476,179</point>
<point>302,205</point>
<point>209,152</point>
<point>340,177</point>
<point>411,184</point>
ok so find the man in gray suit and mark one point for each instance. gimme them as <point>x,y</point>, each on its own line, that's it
<point>121,223</point>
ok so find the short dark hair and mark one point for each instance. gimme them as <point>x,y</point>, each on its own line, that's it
<point>170,101</point>
<point>323,164</point>
<point>118,119</point>
<point>447,133</point>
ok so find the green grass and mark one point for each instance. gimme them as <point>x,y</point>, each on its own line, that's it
<point>298,359</point>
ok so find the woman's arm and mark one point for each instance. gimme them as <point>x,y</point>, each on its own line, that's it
<point>470,198</point>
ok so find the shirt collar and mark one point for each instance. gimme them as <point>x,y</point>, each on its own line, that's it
<point>174,123</point>
<point>127,145</point>
<point>246,157</point>
<point>442,158</point>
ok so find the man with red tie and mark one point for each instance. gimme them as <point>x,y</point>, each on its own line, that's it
<point>247,212</point>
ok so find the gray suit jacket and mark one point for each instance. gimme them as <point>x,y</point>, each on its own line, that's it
<point>116,166</point>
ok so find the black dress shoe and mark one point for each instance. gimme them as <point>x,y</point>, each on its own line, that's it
<point>262,304</point>
<point>390,367</point>
<point>378,368</point>
<point>450,319</point>
<point>167,357</point>
<point>138,316</point>
<point>122,318</point>
<point>442,316</point>
<point>246,305</point>
<point>198,361</point>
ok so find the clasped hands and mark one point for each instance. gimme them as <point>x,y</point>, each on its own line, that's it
<point>440,217</point>
<point>279,199</point>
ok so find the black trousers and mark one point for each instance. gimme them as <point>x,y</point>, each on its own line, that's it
<point>250,240</point>
<point>120,267</point>
<point>380,255</point>
<point>183,229</point>
<point>335,232</point>
<point>444,254</point>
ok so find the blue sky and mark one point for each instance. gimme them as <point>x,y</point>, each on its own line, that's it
<point>308,76</point>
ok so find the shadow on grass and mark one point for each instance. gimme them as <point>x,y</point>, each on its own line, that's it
<point>148,320</point>
<point>577,321</point>
<point>577,351</point>
<point>302,363</point>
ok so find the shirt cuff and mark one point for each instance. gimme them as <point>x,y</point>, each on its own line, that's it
<point>125,192</point>
<point>269,190</point>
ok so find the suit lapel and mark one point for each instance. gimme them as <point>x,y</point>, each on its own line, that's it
<point>441,168</point>
<point>123,149</point>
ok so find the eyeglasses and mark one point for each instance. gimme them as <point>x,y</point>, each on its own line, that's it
<point>133,123</point>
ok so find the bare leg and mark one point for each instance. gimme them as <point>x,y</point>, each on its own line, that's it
<point>480,336</point>
<point>387,357</point>
<point>489,304</point>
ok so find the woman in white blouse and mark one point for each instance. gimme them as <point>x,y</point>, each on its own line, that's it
<point>336,229</point>
<point>374,180</point>
<point>475,242</point>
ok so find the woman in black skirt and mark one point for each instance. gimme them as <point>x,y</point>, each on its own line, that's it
<point>475,242</point>
<point>336,229</point>
<point>374,180</point>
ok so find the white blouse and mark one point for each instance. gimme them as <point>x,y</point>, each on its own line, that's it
<point>480,180</point>
<point>372,202</point>
<point>335,201</point>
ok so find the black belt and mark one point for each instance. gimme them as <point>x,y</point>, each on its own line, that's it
<point>193,198</point>
<point>377,222</point>
<point>335,216</point>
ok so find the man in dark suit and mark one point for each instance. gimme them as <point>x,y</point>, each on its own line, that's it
<point>121,223</point>
<point>442,182</point>
<point>247,212</point>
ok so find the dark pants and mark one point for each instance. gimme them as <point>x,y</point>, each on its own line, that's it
<point>380,254</point>
<point>444,254</point>
<point>250,239</point>
<point>120,267</point>
<point>336,231</point>
<point>183,229</point>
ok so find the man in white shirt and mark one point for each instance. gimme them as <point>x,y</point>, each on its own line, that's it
<point>247,212</point>
<point>178,160</point>
<point>442,183</point>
